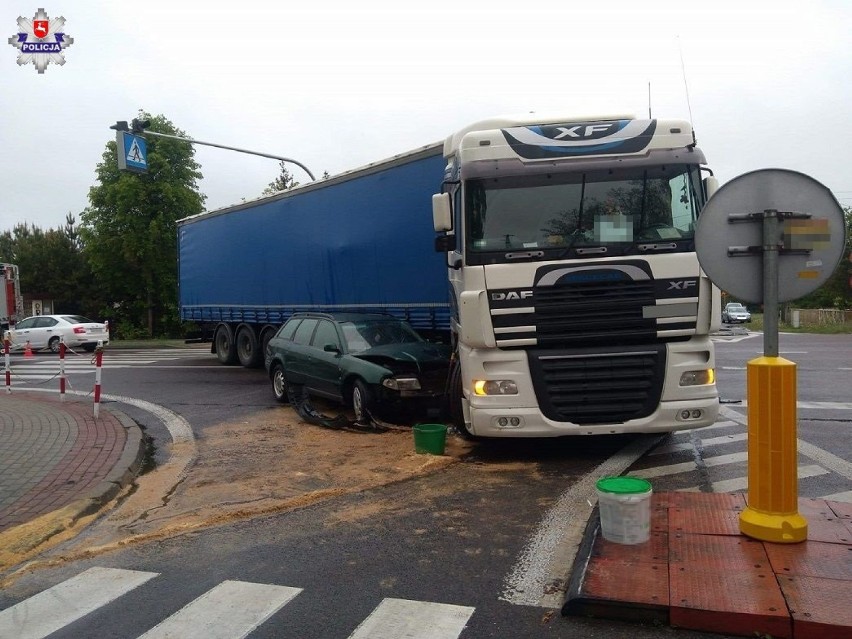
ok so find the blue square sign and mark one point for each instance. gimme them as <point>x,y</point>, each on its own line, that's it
<point>132,152</point>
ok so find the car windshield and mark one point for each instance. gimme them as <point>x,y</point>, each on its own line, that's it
<point>616,208</point>
<point>736,307</point>
<point>365,334</point>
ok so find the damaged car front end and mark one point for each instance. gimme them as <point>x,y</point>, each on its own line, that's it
<point>374,363</point>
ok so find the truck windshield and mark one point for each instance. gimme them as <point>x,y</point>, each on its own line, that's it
<point>626,211</point>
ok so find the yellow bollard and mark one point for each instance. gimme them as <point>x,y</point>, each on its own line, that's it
<point>773,482</point>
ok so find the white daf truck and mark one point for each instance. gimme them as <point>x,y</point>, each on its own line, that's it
<point>577,302</point>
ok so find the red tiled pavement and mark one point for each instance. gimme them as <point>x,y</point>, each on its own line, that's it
<point>698,572</point>
<point>56,453</point>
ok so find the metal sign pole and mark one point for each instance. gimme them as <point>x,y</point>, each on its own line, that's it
<point>773,468</point>
<point>770,283</point>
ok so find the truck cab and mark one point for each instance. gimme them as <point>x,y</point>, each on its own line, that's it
<point>578,304</point>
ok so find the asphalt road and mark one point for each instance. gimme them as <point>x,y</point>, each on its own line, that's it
<point>448,538</point>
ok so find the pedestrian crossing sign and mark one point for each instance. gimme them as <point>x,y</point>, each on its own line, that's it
<point>132,152</point>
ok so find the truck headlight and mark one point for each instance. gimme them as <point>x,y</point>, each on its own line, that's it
<point>698,378</point>
<point>495,387</point>
<point>401,383</point>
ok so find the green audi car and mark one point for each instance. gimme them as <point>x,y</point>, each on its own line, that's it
<point>366,361</point>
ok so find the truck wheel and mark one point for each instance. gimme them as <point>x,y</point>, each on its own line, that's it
<point>279,384</point>
<point>362,402</point>
<point>226,349</point>
<point>266,334</point>
<point>454,397</point>
<point>248,351</point>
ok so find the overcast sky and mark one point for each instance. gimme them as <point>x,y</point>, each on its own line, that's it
<point>343,84</point>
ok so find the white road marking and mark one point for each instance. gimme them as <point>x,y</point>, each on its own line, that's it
<point>552,549</point>
<point>733,340</point>
<point>405,619</point>
<point>86,364</point>
<point>713,441</point>
<point>827,459</point>
<point>844,496</point>
<point>673,469</point>
<point>723,424</point>
<point>231,610</point>
<point>826,405</point>
<point>813,405</point>
<point>64,603</point>
<point>741,483</point>
<point>822,457</point>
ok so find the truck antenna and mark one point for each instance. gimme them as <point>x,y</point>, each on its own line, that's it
<point>685,85</point>
<point>650,117</point>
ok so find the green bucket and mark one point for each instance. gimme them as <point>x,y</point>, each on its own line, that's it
<point>430,438</point>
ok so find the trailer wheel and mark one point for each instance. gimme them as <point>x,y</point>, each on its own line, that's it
<point>266,334</point>
<point>279,384</point>
<point>248,351</point>
<point>454,397</point>
<point>226,349</point>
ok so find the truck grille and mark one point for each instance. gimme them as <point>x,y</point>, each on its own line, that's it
<point>594,311</point>
<point>603,304</point>
<point>594,388</point>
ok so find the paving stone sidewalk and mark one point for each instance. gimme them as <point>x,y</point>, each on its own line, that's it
<point>54,454</point>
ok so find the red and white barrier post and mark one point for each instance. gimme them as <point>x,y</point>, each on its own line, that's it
<point>7,370</point>
<point>61,368</point>
<point>99,358</point>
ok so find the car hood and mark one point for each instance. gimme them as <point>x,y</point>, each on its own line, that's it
<point>421,354</point>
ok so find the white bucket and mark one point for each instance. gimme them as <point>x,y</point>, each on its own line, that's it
<point>625,509</point>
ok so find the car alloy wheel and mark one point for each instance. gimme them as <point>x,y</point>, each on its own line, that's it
<point>361,402</point>
<point>279,384</point>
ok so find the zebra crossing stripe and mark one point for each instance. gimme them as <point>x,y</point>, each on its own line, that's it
<point>64,603</point>
<point>398,618</point>
<point>673,469</point>
<point>741,483</point>
<point>722,424</point>
<point>231,610</point>
<point>713,441</point>
<point>844,496</point>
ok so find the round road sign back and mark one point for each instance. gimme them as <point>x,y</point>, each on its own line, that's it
<point>811,234</point>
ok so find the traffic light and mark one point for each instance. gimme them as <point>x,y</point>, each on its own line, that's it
<point>137,126</point>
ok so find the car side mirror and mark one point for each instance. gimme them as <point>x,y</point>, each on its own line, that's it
<point>331,348</point>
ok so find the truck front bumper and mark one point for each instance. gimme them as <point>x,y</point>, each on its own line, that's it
<point>522,415</point>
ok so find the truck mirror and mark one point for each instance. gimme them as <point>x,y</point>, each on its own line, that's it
<point>711,185</point>
<point>442,213</point>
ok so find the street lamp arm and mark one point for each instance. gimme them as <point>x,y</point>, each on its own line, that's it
<point>232,148</point>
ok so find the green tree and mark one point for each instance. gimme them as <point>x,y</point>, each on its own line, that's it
<point>129,231</point>
<point>51,265</point>
<point>283,182</point>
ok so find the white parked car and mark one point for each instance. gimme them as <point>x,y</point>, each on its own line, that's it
<point>43,331</point>
<point>735,313</point>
